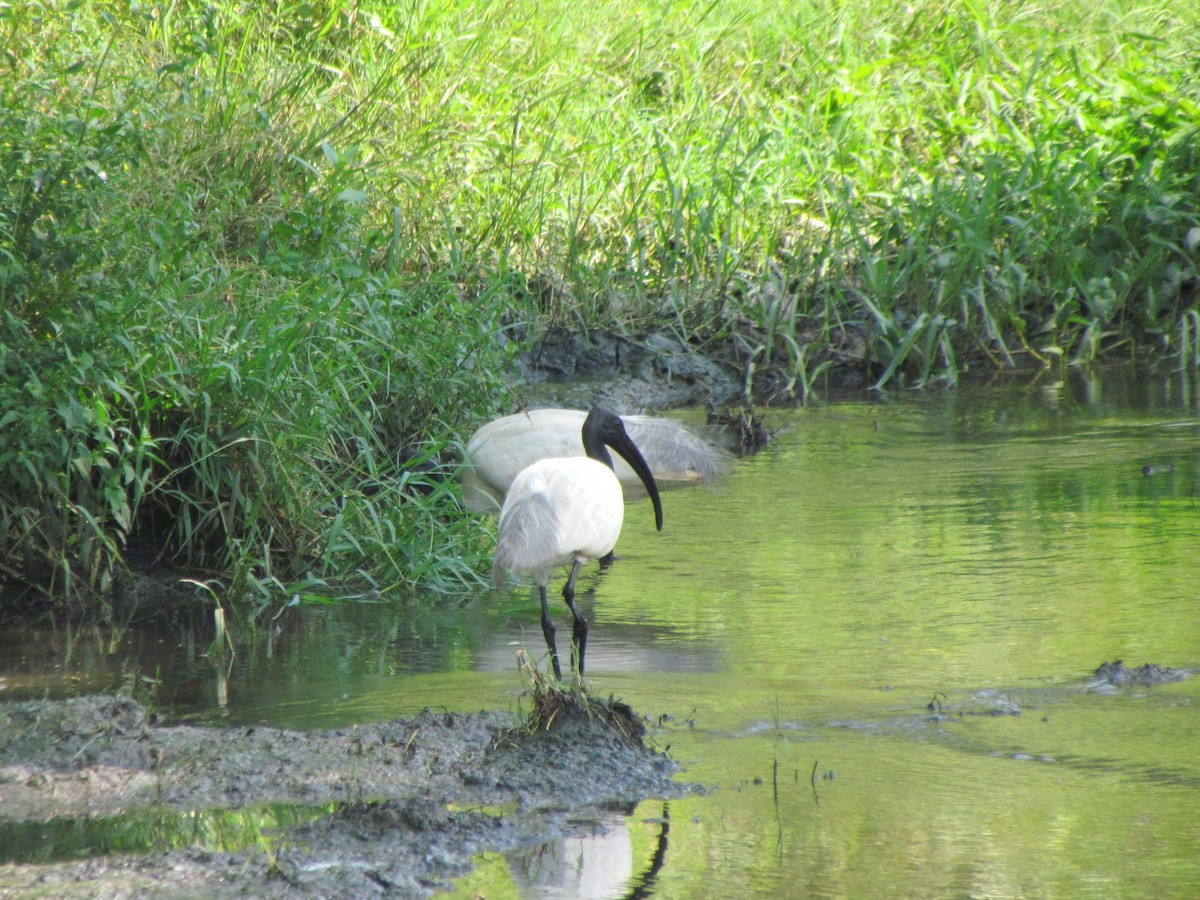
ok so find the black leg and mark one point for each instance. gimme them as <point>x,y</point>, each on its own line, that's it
<point>579,632</point>
<point>548,631</point>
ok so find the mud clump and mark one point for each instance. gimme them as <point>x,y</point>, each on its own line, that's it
<point>393,809</point>
<point>1117,674</point>
<point>655,372</point>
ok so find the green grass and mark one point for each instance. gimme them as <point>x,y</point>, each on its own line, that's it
<point>252,257</point>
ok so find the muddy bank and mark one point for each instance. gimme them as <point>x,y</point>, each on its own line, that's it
<point>659,371</point>
<point>393,809</point>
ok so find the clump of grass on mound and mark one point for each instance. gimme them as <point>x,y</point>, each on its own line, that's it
<point>570,709</point>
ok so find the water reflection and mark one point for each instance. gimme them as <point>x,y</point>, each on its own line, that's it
<point>153,831</point>
<point>593,865</point>
<point>612,646</point>
<point>618,856</point>
<point>988,547</point>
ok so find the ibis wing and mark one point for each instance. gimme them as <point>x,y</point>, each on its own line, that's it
<point>503,448</point>
<point>528,538</point>
<point>673,453</point>
<point>557,510</point>
<point>500,450</point>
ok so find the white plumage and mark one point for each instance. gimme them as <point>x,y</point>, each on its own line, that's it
<point>568,511</point>
<point>558,511</point>
<point>502,448</point>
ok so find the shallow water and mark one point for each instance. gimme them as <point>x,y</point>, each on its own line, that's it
<point>874,642</point>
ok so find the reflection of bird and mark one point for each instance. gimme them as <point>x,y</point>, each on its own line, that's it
<point>595,862</point>
<point>598,861</point>
<point>569,510</point>
<point>502,448</point>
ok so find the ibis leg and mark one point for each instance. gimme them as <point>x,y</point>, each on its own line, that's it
<point>548,631</point>
<point>580,630</point>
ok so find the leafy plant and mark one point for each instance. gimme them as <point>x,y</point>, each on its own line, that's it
<point>260,266</point>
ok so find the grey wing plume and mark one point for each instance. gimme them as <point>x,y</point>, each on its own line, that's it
<point>528,540</point>
<point>671,449</point>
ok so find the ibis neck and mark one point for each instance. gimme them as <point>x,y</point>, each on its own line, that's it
<point>599,452</point>
<point>593,440</point>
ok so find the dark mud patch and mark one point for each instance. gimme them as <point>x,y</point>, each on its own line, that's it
<point>657,371</point>
<point>660,371</point>
<point>579,369</point>
<point>1117,674</point>
<point>393,809</point>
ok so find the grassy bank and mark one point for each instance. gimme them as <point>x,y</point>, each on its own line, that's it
<point>254,259</point>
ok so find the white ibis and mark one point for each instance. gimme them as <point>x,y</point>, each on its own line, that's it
<point>569,511</point>
<point>501,449</point>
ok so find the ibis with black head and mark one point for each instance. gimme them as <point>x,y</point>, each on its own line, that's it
<point>569,511</point>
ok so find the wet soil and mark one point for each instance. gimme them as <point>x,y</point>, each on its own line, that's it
<point>1117,674</point>
<point>659,371</point>
<point>394,809</point>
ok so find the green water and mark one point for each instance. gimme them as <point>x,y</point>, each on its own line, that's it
<point>980,552</point>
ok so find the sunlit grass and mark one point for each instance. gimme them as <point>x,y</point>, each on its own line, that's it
<point>253,259</point>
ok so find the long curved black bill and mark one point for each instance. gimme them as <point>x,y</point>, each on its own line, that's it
<point>630,453</point>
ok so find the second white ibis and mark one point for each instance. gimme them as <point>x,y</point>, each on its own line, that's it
<point>498,451</point>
